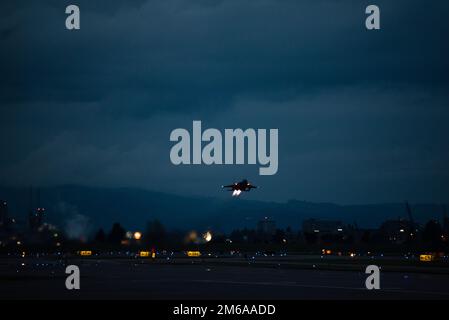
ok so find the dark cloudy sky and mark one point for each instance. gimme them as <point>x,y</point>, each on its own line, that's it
<point>363,116</point>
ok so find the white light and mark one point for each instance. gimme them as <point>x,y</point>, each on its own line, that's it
<point>236,193</point>
<point>207,236</point>
<point>137,235</point>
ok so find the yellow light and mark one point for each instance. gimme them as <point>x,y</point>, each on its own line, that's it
<point>192,235</point>
<point>193,253</point>
<point>426,257</point>
<point>85,253</point>
<point>137,235</point>
<point>144,254</point>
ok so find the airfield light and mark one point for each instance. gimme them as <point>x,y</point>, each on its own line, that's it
<point>192,236</point>
<point>426,257</point>
<point>193,253</point>
<point>143,254</point>
<point>137,235</point>
<point>207,236</point>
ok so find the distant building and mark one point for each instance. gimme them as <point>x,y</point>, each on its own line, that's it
<point>266,226</point>
<point>322,227</point>
<point>397,231</point>
<point>6,224</point>
<point>446,226</point>
<point>36,218</point>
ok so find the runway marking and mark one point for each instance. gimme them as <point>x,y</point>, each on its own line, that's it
<point>294,284</point>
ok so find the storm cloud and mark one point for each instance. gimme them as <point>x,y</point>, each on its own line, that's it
<point>362,115</point>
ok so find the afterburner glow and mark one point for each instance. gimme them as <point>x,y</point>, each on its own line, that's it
<point>236,193</point>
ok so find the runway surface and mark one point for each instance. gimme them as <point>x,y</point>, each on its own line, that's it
<point>131,279</point>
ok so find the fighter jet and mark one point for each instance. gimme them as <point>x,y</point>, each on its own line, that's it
<point>238,187</point>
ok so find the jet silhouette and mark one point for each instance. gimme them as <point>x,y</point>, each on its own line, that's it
<point>239,187</point>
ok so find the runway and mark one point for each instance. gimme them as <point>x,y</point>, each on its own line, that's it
<point>131,279</point>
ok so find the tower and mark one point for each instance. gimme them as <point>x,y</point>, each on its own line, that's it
<point>36,215</point>
<point>3,213</point>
